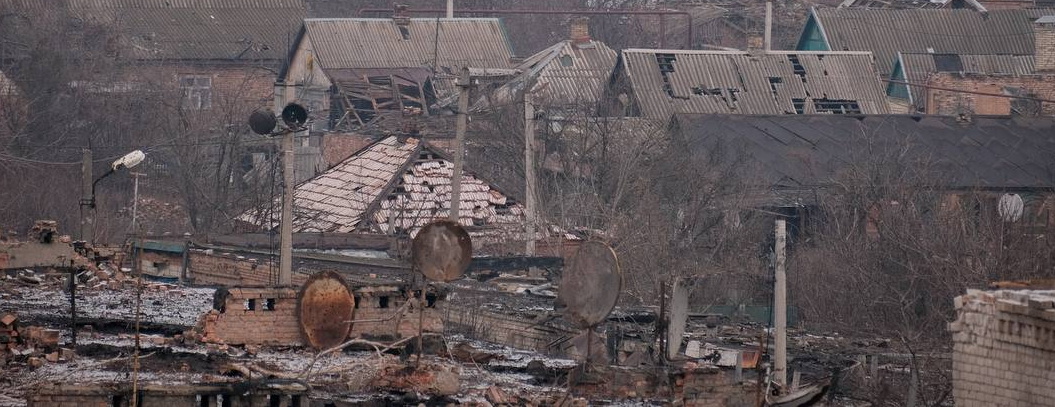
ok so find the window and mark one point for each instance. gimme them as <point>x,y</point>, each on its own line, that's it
<point>250,304</point>
<point>197,91</point>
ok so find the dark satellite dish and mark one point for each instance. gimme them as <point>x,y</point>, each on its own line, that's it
<point>590,285</point>
<point>679,316</point>
<point>325,308</point>
<point>263,122</point>
<point>442,251</point>
<point>294,115</point>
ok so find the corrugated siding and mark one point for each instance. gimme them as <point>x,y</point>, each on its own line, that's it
<point>884,32</point>
<point>919,66</point>
<point>378,43</point>
<point>848,76</point>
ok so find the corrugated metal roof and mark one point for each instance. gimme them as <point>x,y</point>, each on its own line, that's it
<point>665,82</point>
<point>795,152</point>
<point>885,32</point>
<point>565,74</point>
<point>918,66</point>
<point>379,43</point>
<point>394,184</point>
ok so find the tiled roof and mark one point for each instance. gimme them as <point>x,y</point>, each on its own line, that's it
<point>809,151</point>
<point>342,43</point>
<point>780,82</point>
<point>394,184</point>
<point>918,66</point>
<point>885,32</point>
<point>565,74</point>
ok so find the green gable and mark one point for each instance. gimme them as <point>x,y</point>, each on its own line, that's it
<point>898,90</point>
<point>812,38</point>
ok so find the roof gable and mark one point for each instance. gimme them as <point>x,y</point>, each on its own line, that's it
<point>447,44</point>
<point>915,68</point>
<point>567,74</point>
<point>778,82</point>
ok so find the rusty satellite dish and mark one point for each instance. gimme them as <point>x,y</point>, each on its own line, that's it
<point>325,307</point>
<point>679,316</point>
<point>590,285</point>
<point>442,251</point>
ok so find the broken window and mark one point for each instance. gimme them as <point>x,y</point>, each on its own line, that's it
<point>250,304</point>
<point>269,304</point>
<point>197,91</point>
<point>383,302</point>
<point>796,66</point>
<point>837,106</point>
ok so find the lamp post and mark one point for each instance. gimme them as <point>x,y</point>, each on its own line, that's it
<point>129,160</point>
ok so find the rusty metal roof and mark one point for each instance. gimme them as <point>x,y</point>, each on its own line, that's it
<point>918,66</point>
<point>394,186</point>
<point>664,82</point>
<point>565,74</point>
<point>810,151</point>
<point>382,43</point>
<point>885,32</point>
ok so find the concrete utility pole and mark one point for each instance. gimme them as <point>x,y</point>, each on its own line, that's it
<point>780,312</point>
<point>464,83</point>
<point>769,26</point>
<point>450,8</point>
<point>135,198</point>
<point>87,231</point>
<point>285,263</point>
<point>529,174</point>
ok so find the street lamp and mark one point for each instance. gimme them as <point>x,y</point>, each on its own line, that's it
<point>127,161</point>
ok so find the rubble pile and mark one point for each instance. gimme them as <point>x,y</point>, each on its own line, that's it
<point>32,345</point>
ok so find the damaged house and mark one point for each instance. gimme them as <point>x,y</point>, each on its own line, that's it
<point>659,83</point>
<point>348,70</point>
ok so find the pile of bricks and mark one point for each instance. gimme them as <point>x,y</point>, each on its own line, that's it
<point>1004,348</point>
<point>32,344</point>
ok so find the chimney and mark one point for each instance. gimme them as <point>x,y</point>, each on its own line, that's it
<point>1044,44</point>
<point>400,16</point>
<point>580,30</point>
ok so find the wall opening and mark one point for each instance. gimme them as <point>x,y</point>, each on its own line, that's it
<point>250,304</point>
<point>382,302</point>
<point>269,304</point>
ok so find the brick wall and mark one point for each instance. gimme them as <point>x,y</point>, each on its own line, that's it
<point>272,319</point>
<point>1004,348</point>
<point>209,267</point>
<point>1044,47</point>
<point>168,395</point>
<point>503,329</point>
<point>954,102</point>
<point>243,87</point>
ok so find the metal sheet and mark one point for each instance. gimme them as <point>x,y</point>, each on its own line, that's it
<point>325,309</point>
<point>442,251</point>
<point>679,316</point>
<point>590,285</point>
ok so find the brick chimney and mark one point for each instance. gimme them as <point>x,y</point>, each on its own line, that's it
<point>400,16</point>
<point>1044,44</point>
<point>580,30</point>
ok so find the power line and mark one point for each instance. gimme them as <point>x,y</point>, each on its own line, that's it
<point>972,92</point>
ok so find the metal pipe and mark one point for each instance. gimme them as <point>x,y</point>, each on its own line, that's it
<point>686,14</point>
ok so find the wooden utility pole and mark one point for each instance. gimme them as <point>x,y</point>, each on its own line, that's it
<point>529,174</point>
<point>464,83</point>
<point>769,26</point>
<point>780,312</point>
<point>285,263</point>
<point>87,231</point>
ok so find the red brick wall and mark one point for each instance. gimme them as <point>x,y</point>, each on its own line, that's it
<point>954,102</point>
<point>238,325</point>
<point>244,87</point>
<point>227,269</point>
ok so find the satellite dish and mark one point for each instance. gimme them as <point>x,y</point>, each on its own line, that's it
<point>262,122</point>
<point>590,285</point>
<point>1010,207</point>
<point>325,307</point>
<point>442,251</point>
<point>679,316</point>
<point>294,115</point>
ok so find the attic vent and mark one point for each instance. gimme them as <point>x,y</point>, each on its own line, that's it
<point>566,60</point>
<point>837,106</point>
<point>796,66</point>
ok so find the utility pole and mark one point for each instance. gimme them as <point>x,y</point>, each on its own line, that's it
<point>769,26</point>
<point>135,197</point>
<point>285,263</point>
<point>529,174</point>
<point>464,83</point>
<point>450,8</point>
<point>87,231</point>
<point>780,313</point>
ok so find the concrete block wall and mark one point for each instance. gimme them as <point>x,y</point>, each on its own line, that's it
<point>209,267</point>
<point>1004,348</point>
<point>503,329</point>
